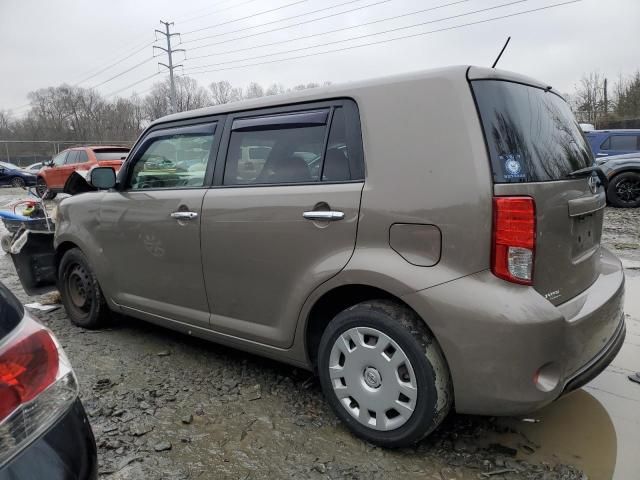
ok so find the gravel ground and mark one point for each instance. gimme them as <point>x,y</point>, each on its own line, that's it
<point>164,405</point>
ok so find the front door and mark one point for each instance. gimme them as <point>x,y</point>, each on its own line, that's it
<point>54,172</point>
<point>150,226</point>
<point>282,217</point>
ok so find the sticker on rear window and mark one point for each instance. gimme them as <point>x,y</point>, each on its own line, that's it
<point>512,165</point>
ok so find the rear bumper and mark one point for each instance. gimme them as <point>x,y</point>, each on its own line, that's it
<point>66,452</point>
<point>497,336</point>
<point>592,369</point>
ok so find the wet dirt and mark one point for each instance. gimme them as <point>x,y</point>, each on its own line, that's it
<point>164,405</point>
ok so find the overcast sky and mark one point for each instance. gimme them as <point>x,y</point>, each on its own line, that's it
<point>47,43</point>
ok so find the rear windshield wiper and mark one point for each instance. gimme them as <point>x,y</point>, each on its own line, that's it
<point>587,172</point>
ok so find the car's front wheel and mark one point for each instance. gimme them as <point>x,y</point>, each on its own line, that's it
<point>383,373</point>
<point>624,190</point>
<point>81,294</point>
<point>17,182</point>
<point>43,190</point>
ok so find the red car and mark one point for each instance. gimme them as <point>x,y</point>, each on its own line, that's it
<point>53,176</point>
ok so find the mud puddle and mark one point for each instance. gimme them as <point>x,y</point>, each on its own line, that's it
<point>596,428</point>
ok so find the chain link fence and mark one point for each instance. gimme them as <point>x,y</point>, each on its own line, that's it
<point>27,152</point>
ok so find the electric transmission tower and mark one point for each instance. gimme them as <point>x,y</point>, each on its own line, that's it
<point>171,67</point>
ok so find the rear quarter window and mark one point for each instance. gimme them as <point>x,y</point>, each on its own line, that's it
<point>110,154</point>
<point>531,133</point>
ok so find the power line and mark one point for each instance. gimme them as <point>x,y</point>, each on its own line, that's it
<point>359,37</point>
<point>283,20</point>
<point>196,17</point>
<point>132,85</point>
<point>104,69</point>
<point>123,73</point>
<point>345,28</point>
<point>391,39</point>
<point>245,18</point>
<point>196,13</point>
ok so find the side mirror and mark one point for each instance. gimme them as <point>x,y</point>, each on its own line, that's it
<point>103,178</point>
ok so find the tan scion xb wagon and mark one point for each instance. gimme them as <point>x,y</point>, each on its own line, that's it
<point>422,242</point>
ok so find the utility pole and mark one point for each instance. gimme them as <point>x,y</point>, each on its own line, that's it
<point>606,98</point>
<point>171,67</point>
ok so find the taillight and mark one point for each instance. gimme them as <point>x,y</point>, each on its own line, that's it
<point>37,386</point>
<point>514,239</point>
<point>27,367</point>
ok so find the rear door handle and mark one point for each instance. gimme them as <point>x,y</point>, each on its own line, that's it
<point>324,215</point>
<point>184,215</point>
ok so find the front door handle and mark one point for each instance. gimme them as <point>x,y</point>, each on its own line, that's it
<point>184,215</point>
<point>323,215</point>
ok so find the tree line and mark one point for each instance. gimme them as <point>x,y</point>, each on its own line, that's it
<point>604,104</point>
<point>74,114</point>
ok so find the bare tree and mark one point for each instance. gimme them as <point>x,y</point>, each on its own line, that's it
<point>590,98</point>
<point>254,90</point>
<point>223,92</point>
<point>190,95</point>
<point>275,89</point>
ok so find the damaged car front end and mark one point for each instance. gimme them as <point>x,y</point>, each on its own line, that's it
<point>31,244</point>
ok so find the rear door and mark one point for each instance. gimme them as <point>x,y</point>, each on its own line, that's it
<point>534,143</point>
<point>282,216</point>
<point>110,157</point>
<point>150,227</point>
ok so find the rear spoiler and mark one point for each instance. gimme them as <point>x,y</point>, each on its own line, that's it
<point>587,172</point>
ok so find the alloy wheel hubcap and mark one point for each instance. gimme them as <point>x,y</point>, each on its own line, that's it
<point>373,378</point>
<point>628,190</point>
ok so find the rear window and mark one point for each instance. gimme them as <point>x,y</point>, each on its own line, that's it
<point>110,154</point>
<point>531,133</point>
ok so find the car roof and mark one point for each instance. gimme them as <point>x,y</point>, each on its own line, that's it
<point>99,147</point>
<point>372,87</point>
<point>616,130</point>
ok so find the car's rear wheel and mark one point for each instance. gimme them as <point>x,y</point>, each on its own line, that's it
<point>18,182</point>
<point>81,294</point>
<point>43,190</point>
<point>383,373</point>
<point>624,190</point>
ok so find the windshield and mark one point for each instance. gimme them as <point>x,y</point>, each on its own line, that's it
<point>531,133</point>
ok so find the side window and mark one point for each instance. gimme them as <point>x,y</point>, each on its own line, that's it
<point>276,149</point>
<point>173,161</point>
<point>82,157</point>
<point>336,163</point>
<point>59,159</point>
<point>72,157</point>
<point>623,142</point>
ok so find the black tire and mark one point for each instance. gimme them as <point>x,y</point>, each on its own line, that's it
<point>18,182</point>
<point>417,343</point>
<point>5,242</point>
<point>81,294</point>
<point>624,190</point>
<point>43,191</point>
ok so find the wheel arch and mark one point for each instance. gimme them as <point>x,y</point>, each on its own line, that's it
<point>63,248</point>
<point>625,169</point>
<point>337,299</point>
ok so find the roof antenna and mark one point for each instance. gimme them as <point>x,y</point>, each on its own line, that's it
<point>501,52</point>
